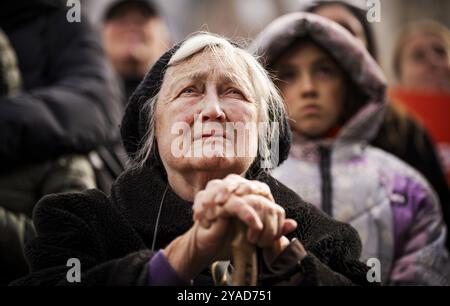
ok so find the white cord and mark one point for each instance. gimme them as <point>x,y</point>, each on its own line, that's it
<point>157,218</point>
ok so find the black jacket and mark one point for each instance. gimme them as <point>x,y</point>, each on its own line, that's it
<point>111,236</point>
<point>70,101</point>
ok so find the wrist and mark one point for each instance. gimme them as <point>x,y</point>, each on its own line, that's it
<point>180,254</point>
<point>278,247</point>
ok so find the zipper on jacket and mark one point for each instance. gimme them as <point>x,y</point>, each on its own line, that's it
<point>325,175</point>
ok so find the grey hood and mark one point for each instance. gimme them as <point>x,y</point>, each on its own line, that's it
<point>351,55</point>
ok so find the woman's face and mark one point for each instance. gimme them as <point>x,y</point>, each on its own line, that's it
<point>200,116</point>
<point>425,64</point>
<point>313,88</point>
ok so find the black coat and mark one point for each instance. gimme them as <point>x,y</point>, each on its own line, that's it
<point>70,101</point>
<point>111,236</point>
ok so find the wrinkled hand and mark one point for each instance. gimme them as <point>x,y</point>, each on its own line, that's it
<point>214,207</point>
<point>249,201</point>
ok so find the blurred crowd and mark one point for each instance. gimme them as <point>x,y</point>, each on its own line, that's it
<point>378,156</point>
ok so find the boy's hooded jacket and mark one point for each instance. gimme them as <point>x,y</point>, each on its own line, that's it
<point>393,208</point>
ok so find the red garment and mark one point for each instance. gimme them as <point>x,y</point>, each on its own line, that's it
<point>433,111</point>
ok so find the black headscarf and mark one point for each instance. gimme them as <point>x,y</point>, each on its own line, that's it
<point>135,122</point>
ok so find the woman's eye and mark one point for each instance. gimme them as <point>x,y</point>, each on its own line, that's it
<point>440,51</point>
<point>235,93</point>
<point>418,55</point>
<point>188,91</point>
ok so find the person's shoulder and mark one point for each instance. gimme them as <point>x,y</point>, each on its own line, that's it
<point>390,166</point>
<point>282,194</point>
<point>76,205</point>
<point>289,199</point>
<point>73,199</point>
<point>314,226</point>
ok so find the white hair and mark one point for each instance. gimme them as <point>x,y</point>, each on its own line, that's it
<point>248,72</point>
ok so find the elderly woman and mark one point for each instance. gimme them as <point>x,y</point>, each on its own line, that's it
<point>173,213</point>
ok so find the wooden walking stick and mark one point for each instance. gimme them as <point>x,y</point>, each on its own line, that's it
<point>244,257</point>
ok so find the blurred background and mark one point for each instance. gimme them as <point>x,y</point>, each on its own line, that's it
<point>243,19</point>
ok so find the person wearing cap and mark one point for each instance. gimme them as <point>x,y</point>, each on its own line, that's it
<point>335,95</point>
<point>171,215</point>
<point>134,37</point>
